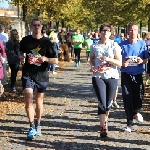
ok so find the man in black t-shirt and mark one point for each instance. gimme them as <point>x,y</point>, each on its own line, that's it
<point>37,51</point>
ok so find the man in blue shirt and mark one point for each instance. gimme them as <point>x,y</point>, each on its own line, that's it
<point>134,55</point>
<point>117,39</point>
<point>96,38</point>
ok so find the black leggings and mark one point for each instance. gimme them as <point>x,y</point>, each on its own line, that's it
<point>14,70</point>
<point>77,52</point>
<point>105,90</point>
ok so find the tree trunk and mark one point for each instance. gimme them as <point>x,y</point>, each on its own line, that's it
<point>149,24</point>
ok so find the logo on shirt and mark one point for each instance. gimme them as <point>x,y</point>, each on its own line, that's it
<point>34,55</point>
<point>104,67</point>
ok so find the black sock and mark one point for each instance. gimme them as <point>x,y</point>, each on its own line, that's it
<point>32,124</point>
<point>37,123</point>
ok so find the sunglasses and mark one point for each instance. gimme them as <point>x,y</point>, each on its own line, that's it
<point>36,25</point>
<point>106,30</point>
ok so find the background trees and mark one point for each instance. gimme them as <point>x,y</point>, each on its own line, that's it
<point>87,14</point>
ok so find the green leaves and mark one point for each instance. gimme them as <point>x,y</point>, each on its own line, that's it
<point>89,13</point>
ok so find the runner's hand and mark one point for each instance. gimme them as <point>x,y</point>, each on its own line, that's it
<point>103,58</point>
<point>93,69</point>
<point>22,60</point>
<point>125,64</point>
<point>42,59</point>
<point>139,60</point>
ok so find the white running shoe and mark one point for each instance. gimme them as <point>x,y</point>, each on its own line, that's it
<point>128,129</point>
<point>115,104</point>
<point>138,117</point>
<point>54,72</point>
<point>56,66</point>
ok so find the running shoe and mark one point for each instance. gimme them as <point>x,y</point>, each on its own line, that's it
<point>115,104</point>
<point>38,131</point>
<point>138,117</point>
<point>128,129</point>
<point>79,63</point>
<point>53,72</point>
<point>31,133</point>
<point>103,131</point>
<point>13,89</point>
<point>76,65</point>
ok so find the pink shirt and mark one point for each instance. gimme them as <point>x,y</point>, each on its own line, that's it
<point>2,54</point>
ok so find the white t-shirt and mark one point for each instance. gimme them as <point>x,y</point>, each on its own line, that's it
<point>104,69</point>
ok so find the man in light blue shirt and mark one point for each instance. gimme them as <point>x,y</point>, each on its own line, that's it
<point>134,56</point>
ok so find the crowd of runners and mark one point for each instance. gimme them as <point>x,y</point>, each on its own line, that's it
<point>106,53</point>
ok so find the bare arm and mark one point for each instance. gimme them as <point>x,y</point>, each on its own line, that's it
<point>92,60</point>
<point>48,60</point>
<point>145,61</point>
<point>52,60</point>
<point>142,61</point>
<point>117,61</point>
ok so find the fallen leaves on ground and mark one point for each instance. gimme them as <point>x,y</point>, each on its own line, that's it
<point>10,102</point>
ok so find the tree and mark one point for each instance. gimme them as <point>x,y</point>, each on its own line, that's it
<point>88,13</point>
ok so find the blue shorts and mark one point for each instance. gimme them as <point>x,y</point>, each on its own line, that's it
<point>37,86</point>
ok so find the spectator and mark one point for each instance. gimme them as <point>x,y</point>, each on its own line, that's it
<point>55,41</point>
<point>2,55</point>
<point>12,51</point>
<point>4,39</point>
<point>44,33</point>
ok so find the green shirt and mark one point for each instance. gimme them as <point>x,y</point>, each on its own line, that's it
<point>79,38</point>
<point>88,42</point>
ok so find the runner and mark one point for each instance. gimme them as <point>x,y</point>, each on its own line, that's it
<point>77,41</point>
<point>88,42</point>
<point>105,56</point>
<point>147,40</point>
<point>134,55</point>
<point>96,37</point>
<point>39,52</point>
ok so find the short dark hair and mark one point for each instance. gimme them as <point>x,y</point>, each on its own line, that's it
<point>106,25</point>
<point>130,25</point>
<point>35,19</point>
<point>112,29</point>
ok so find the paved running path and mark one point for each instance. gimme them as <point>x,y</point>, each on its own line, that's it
<point>70,119</point>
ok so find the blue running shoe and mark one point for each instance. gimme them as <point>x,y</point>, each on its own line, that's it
<point>79,63</point>
<point>38,131</point>
<point>76,64</point>
<point>31,133</point>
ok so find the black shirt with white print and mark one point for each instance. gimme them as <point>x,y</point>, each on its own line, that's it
<point>34,48</point>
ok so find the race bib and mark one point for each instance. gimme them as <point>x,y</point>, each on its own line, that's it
<point>104,67</point>
<point>32,59</point>
<point>132,60</point>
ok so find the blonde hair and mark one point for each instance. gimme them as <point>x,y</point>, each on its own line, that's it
<point>54,38</point>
